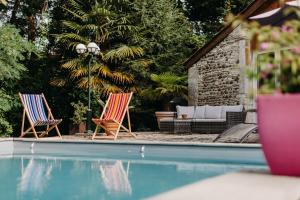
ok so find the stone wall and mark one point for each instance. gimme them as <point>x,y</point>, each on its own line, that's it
<point>193,81</point>
<point>216,78</point>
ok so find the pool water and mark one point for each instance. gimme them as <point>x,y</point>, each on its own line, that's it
<point>32,177</point>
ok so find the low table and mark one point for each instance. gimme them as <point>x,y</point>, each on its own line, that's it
<point>182,125</point>
<point>166,125</point>
<point>176,125</point>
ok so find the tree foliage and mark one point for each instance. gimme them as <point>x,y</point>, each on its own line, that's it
<point>13,51</point>
<point>165,34</point>
<point>208,16</point>
<point>166,86</point>
<point>143,46</point>
<point>100,22</point>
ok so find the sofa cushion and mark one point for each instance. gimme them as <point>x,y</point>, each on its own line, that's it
<point>182,120</point>
<point>185,110</point>
<point>238,108</point>
<point>199,112</point>
<point>167,120</point>
<point>209,120</point>
<point>213,112</point>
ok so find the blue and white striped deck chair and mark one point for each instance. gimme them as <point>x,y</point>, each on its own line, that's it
<point>34,108</point>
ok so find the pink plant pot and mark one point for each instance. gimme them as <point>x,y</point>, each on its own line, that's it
<point>279,129</point>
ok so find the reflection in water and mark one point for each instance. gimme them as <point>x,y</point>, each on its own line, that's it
<point>37,173</point>
<point>115,178</point>
<point>75,178</point>
<point>35,176</point>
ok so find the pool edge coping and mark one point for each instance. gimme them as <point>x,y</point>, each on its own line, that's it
<point>128,142</point>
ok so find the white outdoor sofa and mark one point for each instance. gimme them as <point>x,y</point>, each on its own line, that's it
<point>203,119</point>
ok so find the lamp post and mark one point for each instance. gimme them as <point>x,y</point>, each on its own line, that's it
<point>93,49</point>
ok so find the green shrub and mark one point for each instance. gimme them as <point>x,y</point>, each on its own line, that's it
<point>13,51</point>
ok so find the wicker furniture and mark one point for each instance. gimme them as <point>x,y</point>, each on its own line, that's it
<point>208,126</point>
<point>163,115</point>
<point>182,125</point>
<point>218,126</point>
<point>224,119</point>
<point>176,125</point>
<point>166,125</point>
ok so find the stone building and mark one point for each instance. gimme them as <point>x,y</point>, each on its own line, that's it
<point>216,72</point>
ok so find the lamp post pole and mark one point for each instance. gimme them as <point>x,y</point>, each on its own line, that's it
<point>93,49</point>
<point>89,111</point>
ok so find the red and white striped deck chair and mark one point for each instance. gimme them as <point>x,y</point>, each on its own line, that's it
<point>114,113</point>
<point>34,108</point>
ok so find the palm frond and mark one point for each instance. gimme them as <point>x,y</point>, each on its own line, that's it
<point>72,25</point>
<point>58,82</point>
<point>76,9</point>
<point>104,71</point>
<point>100,11</point>
<point>72,64</point>
<point>74,14</point>
<point>168,78</point>
<point>109,88</point>
<point>167,85</point>
<point>124,52</point>
<point>4,2</point>
<point>140,63</point>
<point>96,82</point>
<point>122,77</point>
<point>79,72</point>
<point>68,37</point>
<point>89,27</point>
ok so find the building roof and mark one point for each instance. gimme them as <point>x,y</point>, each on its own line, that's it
<point>255,8</point>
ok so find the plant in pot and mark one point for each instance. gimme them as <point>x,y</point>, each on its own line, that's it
<point>78,119</point>
<point>277,56</point>
<point>166,86</point>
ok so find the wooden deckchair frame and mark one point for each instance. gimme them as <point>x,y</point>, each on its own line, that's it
<point>120,126</point>
<point>32,126</point>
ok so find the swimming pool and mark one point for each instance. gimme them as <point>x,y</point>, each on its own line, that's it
<point>68,170</point>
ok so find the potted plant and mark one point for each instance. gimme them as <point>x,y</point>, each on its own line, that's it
<point>166,86</point>
<point>78,119</point>
<point>278,102</point>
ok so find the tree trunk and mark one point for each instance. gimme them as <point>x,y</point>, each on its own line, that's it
<point>166,104</point>
<point>31,28</point>
<point>14,12</point>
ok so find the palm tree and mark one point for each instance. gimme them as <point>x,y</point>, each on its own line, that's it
<point>101,23</point>
<point>166,86</point>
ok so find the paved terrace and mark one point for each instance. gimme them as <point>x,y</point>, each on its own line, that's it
<point>244,185</point>
<point>161,137</point>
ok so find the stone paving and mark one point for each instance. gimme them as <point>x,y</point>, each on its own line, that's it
<point>156,136</point>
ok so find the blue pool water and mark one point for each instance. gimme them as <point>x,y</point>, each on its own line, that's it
<point>51,177</point>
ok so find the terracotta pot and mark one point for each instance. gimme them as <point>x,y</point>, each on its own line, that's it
<point>279,129</point>
<point>77,128</point>
<point>163,114</point>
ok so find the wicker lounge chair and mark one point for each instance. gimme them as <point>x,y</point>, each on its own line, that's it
<point>37,115</point>
<point>114,112</point>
